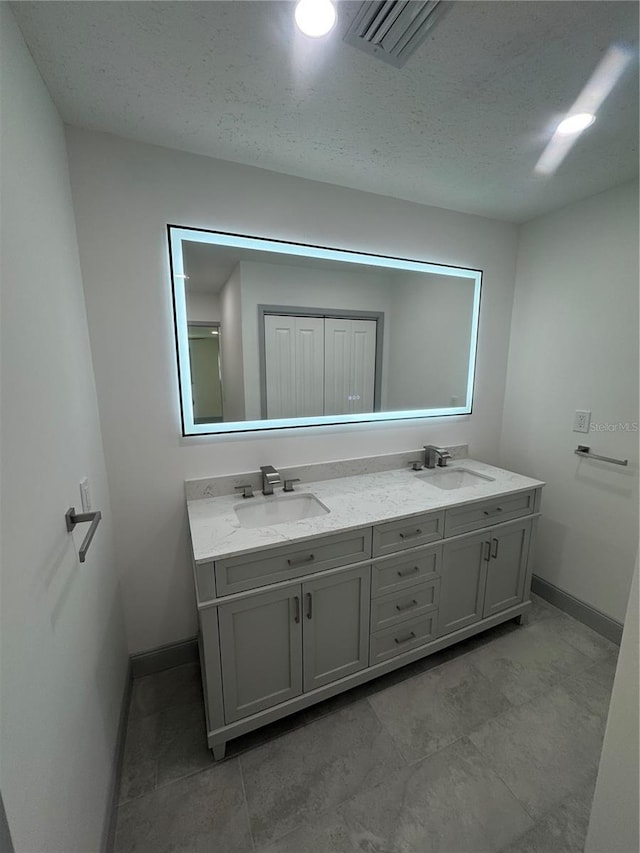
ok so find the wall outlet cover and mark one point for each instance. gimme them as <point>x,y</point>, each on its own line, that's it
<point>582,420</point>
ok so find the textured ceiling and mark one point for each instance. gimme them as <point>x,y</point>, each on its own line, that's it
<point>461,126</point>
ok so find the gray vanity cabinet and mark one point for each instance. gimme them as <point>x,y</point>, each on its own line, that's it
<point>286,627</point>
<point>482,574</point>
<point>462,584</point>
<point>260,651</point>
<point>507,566</point>
<point>275,645</point>
<point>335,631</point>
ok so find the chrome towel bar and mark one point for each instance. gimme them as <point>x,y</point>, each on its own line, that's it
<point>72,518</point>
<point>584,450</point>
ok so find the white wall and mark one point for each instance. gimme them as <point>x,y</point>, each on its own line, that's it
<point>307,287</point>
<point>125,193</point>
<point>202,307</point>
<point>62,629</point>
<point>613,827</point>
<point>574,345</point>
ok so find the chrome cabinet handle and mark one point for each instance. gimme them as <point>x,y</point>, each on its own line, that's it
<point>401,607</point>
<point>416,532</point>
<point>72,518</point>
<point>309,605</point>
<point>406,639</point>
<point>487,553</point>
<point>494,553</point>
<point>301,561</point>
<point>491,511</point>
<point>409,572</point>
<point>296,601</point>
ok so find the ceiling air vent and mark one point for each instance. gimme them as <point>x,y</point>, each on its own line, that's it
<point>393,30</point>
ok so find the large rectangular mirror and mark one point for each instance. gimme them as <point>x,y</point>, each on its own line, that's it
<point>272,334</point>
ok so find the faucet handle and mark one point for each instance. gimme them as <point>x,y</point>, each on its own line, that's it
<point>443,455</point>
<point>288,484</point>
<point>247,490</point>
<point>416,465</point>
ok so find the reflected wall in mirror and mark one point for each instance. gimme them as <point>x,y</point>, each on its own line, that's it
<point>273,334</point>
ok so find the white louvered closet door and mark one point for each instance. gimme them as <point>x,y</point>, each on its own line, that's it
<point>294,357</point>
<point>350,359</point>
<point>363,364</point>
<point>309,372</point>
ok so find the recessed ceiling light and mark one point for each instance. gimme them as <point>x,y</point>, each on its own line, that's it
<point>315,18</point>
<point>575,123</point>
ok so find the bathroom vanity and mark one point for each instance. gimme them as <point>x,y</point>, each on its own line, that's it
<point>305,594</point>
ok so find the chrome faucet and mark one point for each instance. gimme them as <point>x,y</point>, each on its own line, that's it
<point>435,456</point>
<point>270,478</point>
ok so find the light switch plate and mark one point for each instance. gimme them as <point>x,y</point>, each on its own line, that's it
<point>85,495</point>
<point>581,421</point>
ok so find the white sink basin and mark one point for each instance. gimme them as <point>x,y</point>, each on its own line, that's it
<point>453,478</point>
<point>265,512</point>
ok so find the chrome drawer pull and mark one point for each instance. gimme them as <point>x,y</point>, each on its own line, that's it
<point>401,607</point>
<point>417,532</point>
<point>301,561</point>
<point>409,572</point>
<point>490,511</point>
<point>411,636</point>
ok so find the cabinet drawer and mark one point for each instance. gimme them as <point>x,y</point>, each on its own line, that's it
<point>407,533</point>
<point>406,604</point>
<point>405,571</point>
<point>248,571</point>
<point>401,638</point>
<point>472,517</point>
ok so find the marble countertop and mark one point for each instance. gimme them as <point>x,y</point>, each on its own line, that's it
<point>357,501</point>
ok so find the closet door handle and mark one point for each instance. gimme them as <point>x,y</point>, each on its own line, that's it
<point>309,605</point>
<point>494,553</point>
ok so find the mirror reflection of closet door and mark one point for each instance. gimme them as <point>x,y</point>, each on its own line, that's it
<point>294,356</point>
<point>350,361</point>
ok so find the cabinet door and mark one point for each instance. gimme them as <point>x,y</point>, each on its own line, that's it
<point>261,651</point>
<point>462,582</point>
<point>507,567</point>
<point>336,626</point>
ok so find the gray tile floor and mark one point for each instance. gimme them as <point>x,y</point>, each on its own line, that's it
<point>492,745</point>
